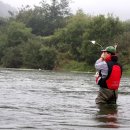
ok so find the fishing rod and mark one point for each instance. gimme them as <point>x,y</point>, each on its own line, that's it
<point>116,44</point>
<point>95,43</point>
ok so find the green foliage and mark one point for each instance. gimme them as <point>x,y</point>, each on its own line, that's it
<point>24,14</point>
<point>17,33</point>
<point>90,52</point>
<point>48,58</point>
<point>72,35</point>
<point>104,29</point>
<point>48,41</point>
<point>35,55</point>
<point>126,25</point>
<point>77,66</point>
<point>14,35</point>
<point>123,48</point>
<point>49,37</point>
<point>45,19</point>
<point>3,22</point>
<point>12,58</point>
<point>126,70</point>
<point>30,53</point>
<point>82,28</point>
<point>3,41</point>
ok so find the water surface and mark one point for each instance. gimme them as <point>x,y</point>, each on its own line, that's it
<point>41,100</point>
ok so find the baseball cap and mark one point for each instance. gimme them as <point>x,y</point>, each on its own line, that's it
<point>110,49</point>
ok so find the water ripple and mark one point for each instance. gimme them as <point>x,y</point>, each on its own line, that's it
<point>31,99</point>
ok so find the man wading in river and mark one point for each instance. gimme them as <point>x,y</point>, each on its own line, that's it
<point>108,77</point>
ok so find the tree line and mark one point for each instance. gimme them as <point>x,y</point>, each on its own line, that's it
<point>49,37</point>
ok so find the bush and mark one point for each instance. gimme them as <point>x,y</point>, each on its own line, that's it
<point>30,53</point>
<point>12,58</point>
<point>48,58</point>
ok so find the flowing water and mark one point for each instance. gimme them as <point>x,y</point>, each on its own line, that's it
<point>43,100</point>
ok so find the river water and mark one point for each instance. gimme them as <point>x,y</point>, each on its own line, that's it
<point>43,100</point>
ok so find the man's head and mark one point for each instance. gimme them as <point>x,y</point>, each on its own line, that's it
<point>108,52</point>
<point>110,49</point>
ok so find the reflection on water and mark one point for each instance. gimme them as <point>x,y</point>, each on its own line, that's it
<point>107,116</point>
<point>41,100</point>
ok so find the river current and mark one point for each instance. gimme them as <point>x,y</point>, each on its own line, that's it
<point>46,100</point>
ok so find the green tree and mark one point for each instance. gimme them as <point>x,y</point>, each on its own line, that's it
<point>35,55</point>
<point>126,25</point>
<point>48,58</point>
<point>73,33</point>
<point>14,35</point>
<point>12,57</point>
<point>3,41</point>
<point>30,54</point>
<point>17,33</point>
<point>45,19</point>
<point>123,48</point>
<point>3,22</point>
<point>103,30</point>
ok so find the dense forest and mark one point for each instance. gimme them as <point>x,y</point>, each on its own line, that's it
<point>50,37</point>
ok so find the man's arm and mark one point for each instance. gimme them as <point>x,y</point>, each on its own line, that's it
<point>101,65</point>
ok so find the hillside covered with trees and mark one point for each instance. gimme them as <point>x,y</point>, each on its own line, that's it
<point>50,37</point>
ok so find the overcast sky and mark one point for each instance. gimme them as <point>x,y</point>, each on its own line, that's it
<point>119,8</point>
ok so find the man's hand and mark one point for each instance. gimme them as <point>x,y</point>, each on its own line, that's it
<point>102,56</point>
